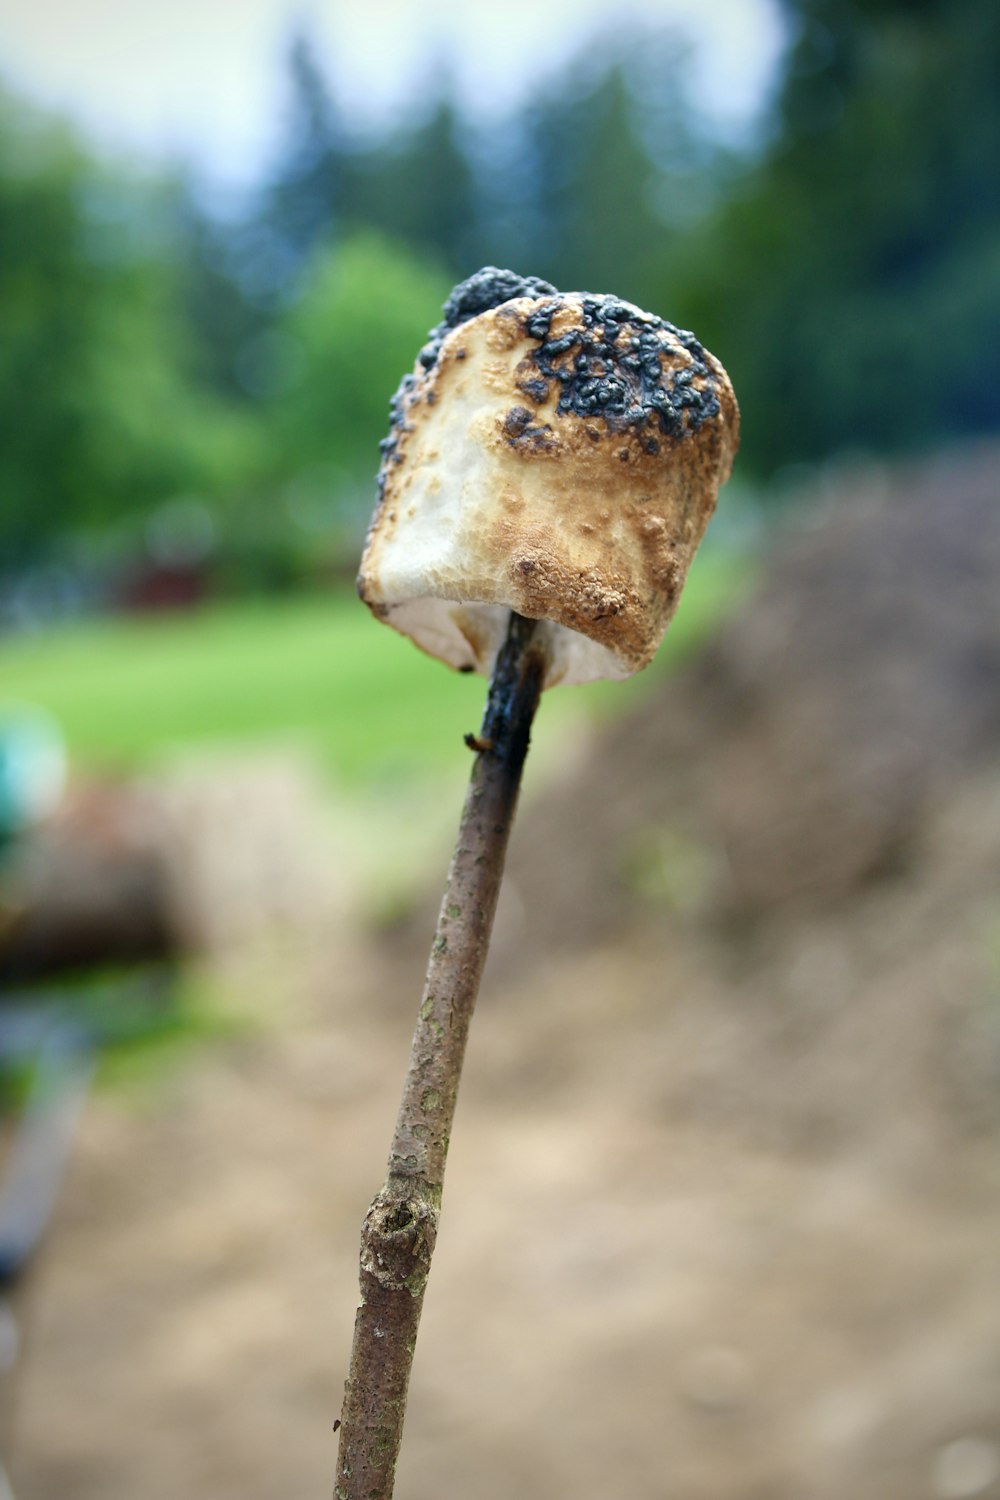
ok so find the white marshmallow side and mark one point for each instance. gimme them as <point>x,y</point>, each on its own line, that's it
<point>469,636</point>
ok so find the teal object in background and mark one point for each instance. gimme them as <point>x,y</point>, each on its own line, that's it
<point>32,767</point>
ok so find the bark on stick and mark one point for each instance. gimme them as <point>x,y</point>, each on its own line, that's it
<point>397,1238</point>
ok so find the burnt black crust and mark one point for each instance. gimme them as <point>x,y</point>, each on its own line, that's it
<point>488,288</point>
<point>611,367</point>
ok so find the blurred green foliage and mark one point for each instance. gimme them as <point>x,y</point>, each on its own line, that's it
<point>159,354</point>
<point>102,413</point>
<point>851,278</point>
<point>362,313</point>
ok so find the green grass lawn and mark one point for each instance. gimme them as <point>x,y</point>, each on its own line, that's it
<point>316,671</point>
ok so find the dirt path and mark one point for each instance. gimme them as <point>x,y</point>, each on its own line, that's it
<point>628,1297</point>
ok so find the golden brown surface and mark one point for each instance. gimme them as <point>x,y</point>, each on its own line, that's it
<point>495,494</point>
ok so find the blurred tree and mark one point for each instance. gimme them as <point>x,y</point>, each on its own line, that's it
<point>852,280</point>
<point>223,313</point>
<point>302,202</point>
<point>612,227</point>
<point>304,197</point>
<point>606,164</point>
<point>413,183</point>
<point>418,185</point>
<point>643,165</point>
<point>102,416</point>
<point>240,271</point>
<point>364,311</point>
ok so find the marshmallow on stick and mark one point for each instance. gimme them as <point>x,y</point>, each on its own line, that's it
<point>558,455</point>
<point>553,464</point>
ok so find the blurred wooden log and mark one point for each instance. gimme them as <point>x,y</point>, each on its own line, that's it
<point>89,887</point>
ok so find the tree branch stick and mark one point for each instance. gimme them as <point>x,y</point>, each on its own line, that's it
<point>397,1238</point>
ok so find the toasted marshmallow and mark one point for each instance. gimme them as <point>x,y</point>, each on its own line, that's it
<point>554,454</point>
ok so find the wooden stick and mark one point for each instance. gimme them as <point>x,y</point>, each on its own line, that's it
<point>397,1238</point>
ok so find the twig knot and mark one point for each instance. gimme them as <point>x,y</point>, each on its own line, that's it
<point>397,1241</point>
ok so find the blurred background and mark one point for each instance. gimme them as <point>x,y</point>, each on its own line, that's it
<point>722,1219</point>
